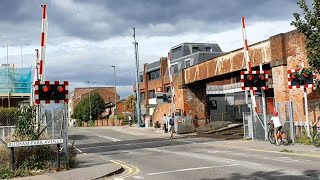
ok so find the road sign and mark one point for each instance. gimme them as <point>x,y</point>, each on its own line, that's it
<point>34,143</point>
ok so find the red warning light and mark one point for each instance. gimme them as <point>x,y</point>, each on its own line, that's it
<point>293,76</point>
<point>262,77</point>
<point>60,89</point>
<point>45,88</point>
<point>250,78</point>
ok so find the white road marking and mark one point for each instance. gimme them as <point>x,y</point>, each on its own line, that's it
<point>191,169</point>
<point>128,144</point>
<point>110,138</point>
<point>191,142</point>
<point>281,159</point>
<point>138,177</point>
<point>76,148</point>
<point>201,156</point>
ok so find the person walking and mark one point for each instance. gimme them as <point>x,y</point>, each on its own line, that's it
<point>130,120</point>
<point>171,125</point>
<point>165,123</point>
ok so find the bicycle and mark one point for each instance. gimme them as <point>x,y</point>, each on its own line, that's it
<point>316,135</point>
<point>282,137</point>
<point>271,137</point>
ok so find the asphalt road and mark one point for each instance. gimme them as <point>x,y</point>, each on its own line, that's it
<point>194,158</point>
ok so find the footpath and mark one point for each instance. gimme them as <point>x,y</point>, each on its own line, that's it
<point>89,166</point>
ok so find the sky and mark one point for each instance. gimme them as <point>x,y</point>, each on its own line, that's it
<point>87,37</point>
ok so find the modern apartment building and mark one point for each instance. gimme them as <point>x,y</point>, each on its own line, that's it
<point>154,80</point>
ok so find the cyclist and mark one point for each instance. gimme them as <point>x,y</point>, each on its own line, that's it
<point>277,126</point>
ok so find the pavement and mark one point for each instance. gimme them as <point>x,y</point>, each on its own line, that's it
<point>89,166</point>
<point>147,153</point>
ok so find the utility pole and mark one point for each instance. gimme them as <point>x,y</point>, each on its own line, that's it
<point>115,92</point>
<point>89,101</point>
<point>137,78</point>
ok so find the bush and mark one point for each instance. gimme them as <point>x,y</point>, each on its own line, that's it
<point>4,156</point>
<point>79,122</point>
<point>72,155</point>
<point>6,173</point>
<point>91,123</point>
<point>303,139</point>
<point>8,116</point>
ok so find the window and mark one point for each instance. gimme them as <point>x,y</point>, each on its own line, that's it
<point>208,49</point>
<point>142,96</point>
<point>174,69</point>
<point>141,77</point>
<point>195,49</point>
<point>187,63</point>
<point>176,49</point>
<point>152,94</point>
<point>167,89</point>
<point>154,74</point>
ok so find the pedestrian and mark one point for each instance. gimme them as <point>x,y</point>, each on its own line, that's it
<point>171,125</point>
<point>165,123</point>
<point>130,120</point>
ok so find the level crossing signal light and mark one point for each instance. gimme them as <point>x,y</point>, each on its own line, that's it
<point>301,79</point>
<point>255,80</point>
<point>52,92</point>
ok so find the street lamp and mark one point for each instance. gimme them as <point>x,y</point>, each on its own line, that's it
<point>115,90</point>
<point>89,100</point>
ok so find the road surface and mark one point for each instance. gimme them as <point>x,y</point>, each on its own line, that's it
<point>194,158</point>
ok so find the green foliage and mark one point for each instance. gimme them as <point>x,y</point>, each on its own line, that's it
<point>91,123</point>
<point>8,116</point>
<point>82,110</point>
<point>303,139</point>
<point>130,103</point>
<point>6,173</point>
<point>78,122</point>
<point>72,155</point>
<point>26,125</point>
<point>4,156</point>
<point>309,25</point>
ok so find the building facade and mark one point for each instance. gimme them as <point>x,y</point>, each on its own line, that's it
<point>154,80</point>
<point>211,88</point>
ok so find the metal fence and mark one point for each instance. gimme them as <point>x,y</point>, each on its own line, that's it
<point>50,118</point>
<point>53,120</point>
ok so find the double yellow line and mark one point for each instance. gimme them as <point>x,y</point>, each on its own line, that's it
<point>132,170</point>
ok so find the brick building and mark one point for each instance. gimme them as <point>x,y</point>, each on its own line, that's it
<point>107,93</point>
<point>217,81</point>
<point>155,75</point>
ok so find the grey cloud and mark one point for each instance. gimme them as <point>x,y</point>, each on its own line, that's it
<point>100,20</point>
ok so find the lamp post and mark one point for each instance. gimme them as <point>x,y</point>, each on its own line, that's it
<point>115,90</point>
<point>89,100</point>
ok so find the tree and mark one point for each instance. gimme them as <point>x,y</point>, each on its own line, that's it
<point>130,103</point>
<point>82,110</point>
<point>309,26</point>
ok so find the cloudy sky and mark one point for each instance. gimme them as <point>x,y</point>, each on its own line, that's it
<point>86,37</point>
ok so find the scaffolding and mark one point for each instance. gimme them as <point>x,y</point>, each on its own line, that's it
<point>15,84</point>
